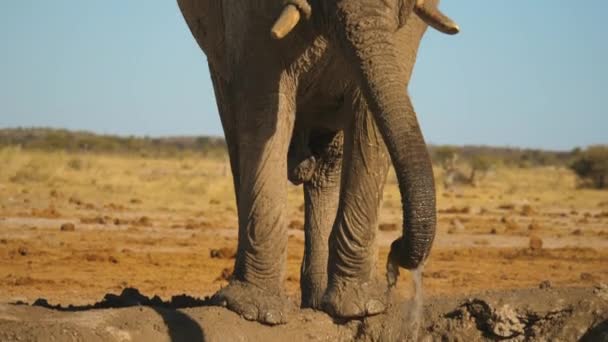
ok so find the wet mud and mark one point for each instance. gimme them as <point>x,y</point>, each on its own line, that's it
<point>548,314</point>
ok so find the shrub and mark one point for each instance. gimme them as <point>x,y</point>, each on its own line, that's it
<point>445,156</point>
<point>591,165</point>
<point>480,165</point>
<point>75,164</point>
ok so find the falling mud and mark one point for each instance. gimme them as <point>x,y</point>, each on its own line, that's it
<point>417,304</point>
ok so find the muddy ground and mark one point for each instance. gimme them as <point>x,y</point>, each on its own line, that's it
<point>523,315</point>
<point>74,228</point>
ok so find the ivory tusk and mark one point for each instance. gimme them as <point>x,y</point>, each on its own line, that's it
<point>434,18</point>
<point>288,19</point>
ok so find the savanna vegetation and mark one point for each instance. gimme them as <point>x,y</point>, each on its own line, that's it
<point>465,165</point>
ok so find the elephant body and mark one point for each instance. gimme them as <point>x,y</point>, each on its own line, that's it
<point>310,106</point>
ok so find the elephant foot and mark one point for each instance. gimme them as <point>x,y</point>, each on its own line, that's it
<point>253,303</point>
<point>312,298</point>
<point>355,300</point>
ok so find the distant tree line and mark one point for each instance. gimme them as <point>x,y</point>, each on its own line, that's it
<point>47,139</point>
<point>590,164</point>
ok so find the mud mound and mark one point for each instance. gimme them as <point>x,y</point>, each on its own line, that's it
<point>519,315</point>
<point>127,298</point>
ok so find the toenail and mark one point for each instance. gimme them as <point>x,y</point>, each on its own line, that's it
<point>250,314</point>
<point>374,307</point>
<point>272,318</point>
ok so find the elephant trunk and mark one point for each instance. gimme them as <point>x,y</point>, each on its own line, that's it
<point>367,30</point>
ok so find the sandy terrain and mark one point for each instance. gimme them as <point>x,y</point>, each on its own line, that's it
<point>76,227</point>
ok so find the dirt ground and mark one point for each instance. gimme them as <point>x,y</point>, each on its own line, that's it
<point>566,314</point>
<point>76,227</point>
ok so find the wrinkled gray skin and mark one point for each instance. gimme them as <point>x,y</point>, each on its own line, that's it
<point>328,106</point>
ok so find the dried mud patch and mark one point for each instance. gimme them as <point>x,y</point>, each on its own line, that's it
<point>520,315</point>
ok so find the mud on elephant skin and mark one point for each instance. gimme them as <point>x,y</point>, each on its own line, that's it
<point>317,91</point>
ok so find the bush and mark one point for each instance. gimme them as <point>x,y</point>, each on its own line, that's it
<point>591,165</point>
<point>480,165</point>
<point>445,156</point>
<point>32,172</point>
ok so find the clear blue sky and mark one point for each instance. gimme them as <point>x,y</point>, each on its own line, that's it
<point>525,73</point>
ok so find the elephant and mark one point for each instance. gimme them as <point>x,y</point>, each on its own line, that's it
<point>317,91</point>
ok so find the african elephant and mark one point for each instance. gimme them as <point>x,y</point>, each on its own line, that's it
<point>324,100</point>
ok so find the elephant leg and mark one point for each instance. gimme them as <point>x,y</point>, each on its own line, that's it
<point>264,123</point>
<point>321,195</point>
<point>354,290</point>
<point>221,89</point>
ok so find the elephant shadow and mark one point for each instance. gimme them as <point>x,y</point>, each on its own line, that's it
<point>597,333</point>
<point>180,326</point>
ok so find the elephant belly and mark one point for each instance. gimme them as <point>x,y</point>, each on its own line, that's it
<point>321,105</point>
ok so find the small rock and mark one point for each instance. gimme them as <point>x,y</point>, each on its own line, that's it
<point>112,260</point>
<point>388,227</point>
<point>534,226</point>
<point>437,275</point>
<point>577,232</point>
<point>296,224</point>
<point>507,206</point>
<point>603,214</point>
<point>225,275</point>
<point>68,227</point>
<point>585,276</point>
<point>457,225</point>
<point>23,251</point>
<point>74,200</point>
<point>94,220</point>
<point>510,224</point>
<point>527,210</point>
<point>223,253</point>
<point>536,243</point>
<point>544,285</point>
<point>120,222</point>
<point>144,221</point>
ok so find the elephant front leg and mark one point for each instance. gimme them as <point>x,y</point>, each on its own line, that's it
<point>354,290</point>
<point>321,194</point>
<point>264,129</point>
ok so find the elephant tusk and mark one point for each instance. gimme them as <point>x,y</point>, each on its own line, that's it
<point>288,19</point>
<point>434,18</point>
